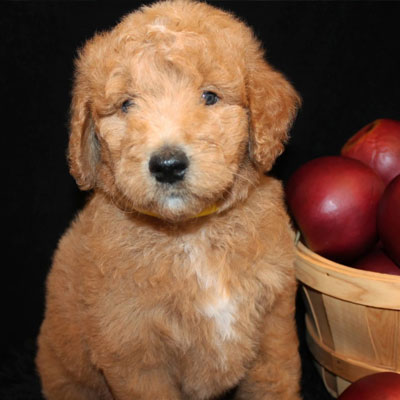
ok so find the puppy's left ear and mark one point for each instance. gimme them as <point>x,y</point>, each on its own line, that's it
<point>273,104</point>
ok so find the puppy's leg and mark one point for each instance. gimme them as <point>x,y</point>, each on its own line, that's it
<point>129,383</point>
<point>58,384</point>
<point>276,373</point>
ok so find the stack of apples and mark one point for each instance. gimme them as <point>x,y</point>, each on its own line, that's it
<point>347,207</point>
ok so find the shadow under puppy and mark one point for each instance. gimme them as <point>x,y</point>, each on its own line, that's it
<point>176,280</point>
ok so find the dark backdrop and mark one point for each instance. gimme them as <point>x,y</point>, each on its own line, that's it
<point>341,56</point>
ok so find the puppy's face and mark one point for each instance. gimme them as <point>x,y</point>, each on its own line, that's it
<point>175,128</point>
<point>175,110</point>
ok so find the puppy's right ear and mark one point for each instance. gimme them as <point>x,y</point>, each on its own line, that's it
<point>83,149</point>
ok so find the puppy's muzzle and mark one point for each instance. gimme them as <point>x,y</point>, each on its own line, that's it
<point>169,165</point>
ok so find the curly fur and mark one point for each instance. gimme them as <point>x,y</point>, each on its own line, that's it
<point>177,306</point>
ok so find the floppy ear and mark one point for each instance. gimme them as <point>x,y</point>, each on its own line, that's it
<point>83,150</point>
<point>273,105</point>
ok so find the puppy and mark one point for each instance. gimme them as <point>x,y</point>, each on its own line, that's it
<point>176,280</point>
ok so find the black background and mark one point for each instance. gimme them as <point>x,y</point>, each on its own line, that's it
<point>343,58</point>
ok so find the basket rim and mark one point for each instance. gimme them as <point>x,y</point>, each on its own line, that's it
<point>345,269</point>
<point>350,284</point>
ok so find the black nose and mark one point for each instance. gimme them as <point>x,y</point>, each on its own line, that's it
<point>169,165</point>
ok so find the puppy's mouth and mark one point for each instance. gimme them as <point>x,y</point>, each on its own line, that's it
<point>179,206</point>
<point>175,202</point>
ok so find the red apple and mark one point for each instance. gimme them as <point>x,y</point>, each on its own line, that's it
<point>377,261</point>
<point>389,219</point>
<point>334,202</point>
<point>379,386</point>
<point>377,145</point>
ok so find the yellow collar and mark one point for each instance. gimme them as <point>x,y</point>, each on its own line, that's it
<point>207,211</point>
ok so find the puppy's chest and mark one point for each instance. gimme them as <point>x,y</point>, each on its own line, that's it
<point>214,300</point>
<point>217,300</point>
<point>225,318</point>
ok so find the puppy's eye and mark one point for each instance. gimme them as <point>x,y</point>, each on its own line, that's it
<point>209,98</point>
<point>126,105</point>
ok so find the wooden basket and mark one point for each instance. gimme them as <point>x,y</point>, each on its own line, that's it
<point>352,319</point>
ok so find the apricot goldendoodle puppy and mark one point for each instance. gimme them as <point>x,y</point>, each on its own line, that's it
<point>176,280</point>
